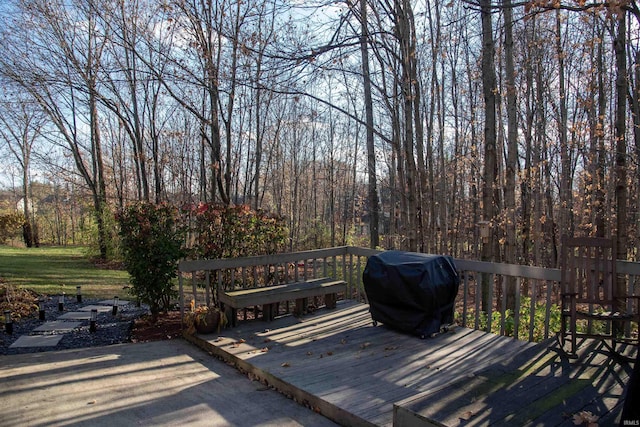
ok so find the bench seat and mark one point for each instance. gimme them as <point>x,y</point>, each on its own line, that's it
<point>270,296</point>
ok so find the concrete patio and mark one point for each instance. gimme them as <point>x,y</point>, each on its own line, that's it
<point>162,383</point>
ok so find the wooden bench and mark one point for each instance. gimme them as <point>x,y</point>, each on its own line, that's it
<point>269,297</point>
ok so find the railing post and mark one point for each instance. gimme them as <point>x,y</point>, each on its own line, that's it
<point>503,311</point>
<point>490,302</point>
<point>532,309</point>
<point>194,289</point>
<point>465,297</point>
<point>547,311</point>
<point>516,312</point>
<point>181,294</point>
<point>358,279</point>
<point>207,288</point>
<point>479,293</point>
<point>335,266</point>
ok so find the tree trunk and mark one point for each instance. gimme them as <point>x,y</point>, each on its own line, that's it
<point>512,153</point>
<point>27,229</point>
<point>490,156</point>
<point>619,46</point>
<point>100,188</point>
<point>374,207</point>
<point>566,171</point>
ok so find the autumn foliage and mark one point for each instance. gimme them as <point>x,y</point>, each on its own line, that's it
<point>10,226</point>
<point>234,231</point>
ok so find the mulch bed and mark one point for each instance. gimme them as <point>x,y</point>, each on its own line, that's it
<point>167,327</point>
<point>23,305</point>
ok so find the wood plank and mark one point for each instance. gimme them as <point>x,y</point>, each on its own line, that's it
<point>284,292</point>
<point>545,390</point>
<point>604,393</point>
<point>283,258</point>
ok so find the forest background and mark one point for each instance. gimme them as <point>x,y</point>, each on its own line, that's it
<point>416,125</point>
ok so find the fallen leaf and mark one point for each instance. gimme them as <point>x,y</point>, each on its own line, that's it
<point>466,415</point>
<point>309,353</point>
<point>586,418</point>
<point>343,341</point>
<point>237,343</point>
<point>93,402</point>
<point>365,345</point>
<point>285,365</point>
<point>329,353</point>
<point>267,340</point>
<point>264,350</point>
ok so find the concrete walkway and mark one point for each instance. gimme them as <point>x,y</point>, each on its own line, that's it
<point>163,383</point>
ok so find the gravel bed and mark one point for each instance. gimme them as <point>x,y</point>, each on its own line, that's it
<point>109,329</point>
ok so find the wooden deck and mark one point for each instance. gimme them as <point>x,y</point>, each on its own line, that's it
<point>339,364</point>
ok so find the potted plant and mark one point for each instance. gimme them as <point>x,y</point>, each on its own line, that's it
<point>204,319</point>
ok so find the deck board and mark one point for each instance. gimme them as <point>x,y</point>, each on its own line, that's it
<point>341,365</point>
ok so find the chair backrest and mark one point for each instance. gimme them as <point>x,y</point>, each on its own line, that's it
<point>588,269</point>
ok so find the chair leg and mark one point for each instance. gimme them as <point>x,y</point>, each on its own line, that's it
<point>563,330</point>
<point>568,326</point>
<point>573,326</point>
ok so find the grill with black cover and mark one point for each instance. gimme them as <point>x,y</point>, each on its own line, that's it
<point>411,292</point>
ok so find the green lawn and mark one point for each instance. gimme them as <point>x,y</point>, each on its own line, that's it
<point>51,270</point>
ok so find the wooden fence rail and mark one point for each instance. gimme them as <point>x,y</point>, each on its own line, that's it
<point>507,299</point>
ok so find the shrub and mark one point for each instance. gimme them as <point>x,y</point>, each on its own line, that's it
<point>235,231</point>
<point>152,238</point>
<point>10,226</point>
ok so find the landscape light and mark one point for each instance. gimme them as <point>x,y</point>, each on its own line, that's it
<point>115,305</point>
<point>61,302</point>
<point>41,309</point>
<point>78,293</point>
<point>94,319</point>
<point>8,322</point>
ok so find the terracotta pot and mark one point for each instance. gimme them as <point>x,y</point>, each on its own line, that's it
<point>210,323</point>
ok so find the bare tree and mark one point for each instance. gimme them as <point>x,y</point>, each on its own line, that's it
<point>55,59</point>
<point>21,125</point>
<point>374,208</point>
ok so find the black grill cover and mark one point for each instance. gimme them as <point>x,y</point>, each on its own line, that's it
<point>410,291</point>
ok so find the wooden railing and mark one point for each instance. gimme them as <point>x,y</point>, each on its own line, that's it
<point>507,299</point>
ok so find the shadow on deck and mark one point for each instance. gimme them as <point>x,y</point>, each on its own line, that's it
<point>343,367</point>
